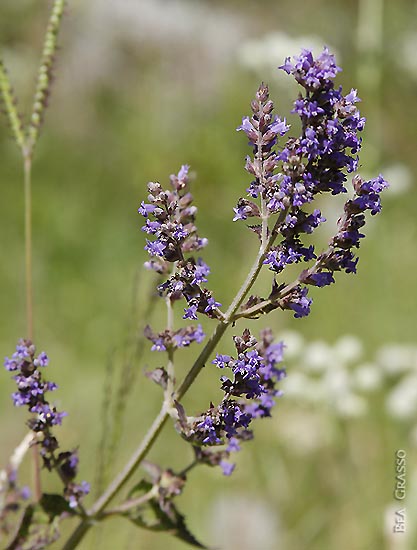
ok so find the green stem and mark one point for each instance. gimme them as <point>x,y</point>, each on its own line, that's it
<point>170,365</point>
<point>129,504</point>
<point>27,167</point>
<point>119,482</point>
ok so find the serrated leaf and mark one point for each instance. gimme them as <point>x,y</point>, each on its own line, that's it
<point>55,505</point>
<point>256,229</point>
<point>142,487</point>
<point>36,530</point>
<point>23,529</point>
<point>169,520</point>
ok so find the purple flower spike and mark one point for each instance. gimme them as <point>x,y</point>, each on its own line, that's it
<point>287,177</point>
<point>31,393</point>
<point>250,392</point>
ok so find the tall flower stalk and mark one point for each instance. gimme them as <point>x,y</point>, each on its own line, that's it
<point>26,137</point>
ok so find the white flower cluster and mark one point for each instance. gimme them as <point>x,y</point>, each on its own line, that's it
<point>337,376</point>
<point>265,52</point>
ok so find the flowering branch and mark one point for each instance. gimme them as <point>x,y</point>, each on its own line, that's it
<point>286,180</point>
<point>313,163</point>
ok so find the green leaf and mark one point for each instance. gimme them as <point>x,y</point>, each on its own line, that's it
<point>169,520</point>
<point>23,529</point>
<point>37,530</point>
<point>55,505</point>
<point>142,487</point>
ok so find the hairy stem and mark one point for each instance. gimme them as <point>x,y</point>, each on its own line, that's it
<point>129,504</point>
<point>170,365</point>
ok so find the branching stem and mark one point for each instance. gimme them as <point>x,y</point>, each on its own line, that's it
<point>123,477</point>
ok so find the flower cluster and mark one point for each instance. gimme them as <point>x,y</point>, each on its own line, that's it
<point>170,218</point>
<point>31,393</point>
<point>339,255</point>
<point>180,338</point>
<point>249,393</point>
<point>288,178</point>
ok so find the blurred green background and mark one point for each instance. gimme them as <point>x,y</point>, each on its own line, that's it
<point>141,88</point>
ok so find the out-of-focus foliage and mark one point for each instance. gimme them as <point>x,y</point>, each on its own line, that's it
<point>142,87</point>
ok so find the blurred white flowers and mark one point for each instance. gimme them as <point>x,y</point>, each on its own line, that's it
<point>402,401</point>
<point>240,523</point>
<point>271,49</point>
<point>337,377</point>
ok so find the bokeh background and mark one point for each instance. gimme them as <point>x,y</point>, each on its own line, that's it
<point>143,86</point>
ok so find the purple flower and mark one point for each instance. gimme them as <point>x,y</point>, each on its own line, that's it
<point>10,364</point>
<point>75,492</point>
<point>200,273</point>
<point>183,173</point>
<point>299,303</point>
<point>310,73</point>
<point>155,248</point>
<point>274,353</point>
<point>222,361</point>
<point>42,360</point>
<point>212,304</point>
<point>158,345</point>
<point>288,67</point>
<point>146,209</point>
<point>198,334</point>
<point>25,492</point>
<point>227,467</point>
<point>151,227</point>
<point>180,232</point>
<point>233,445</point>
<point>247,127</point>
<point>279,127</point>
<point>241,213</point>
<point>322,278</point>
<point>185,336</point>
<point>190,312</point>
